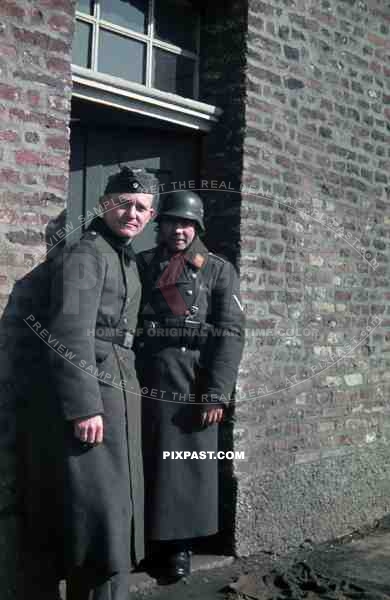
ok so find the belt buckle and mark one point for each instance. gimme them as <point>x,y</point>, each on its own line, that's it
<point>189,322</point>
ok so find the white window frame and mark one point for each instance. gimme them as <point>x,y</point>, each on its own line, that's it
<point>90,84</point>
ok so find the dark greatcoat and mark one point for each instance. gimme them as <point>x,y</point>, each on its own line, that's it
<point>180,376</point>
<point>91,502</point>
<point>28,390</point>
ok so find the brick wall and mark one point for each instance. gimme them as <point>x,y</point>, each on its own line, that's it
<point>222,83</point>
<point>305,91</point>
<point>315,273</point>
<point>35,90</point>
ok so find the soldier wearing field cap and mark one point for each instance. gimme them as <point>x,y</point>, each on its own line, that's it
<point>91,428</point>
<point>188,356</point>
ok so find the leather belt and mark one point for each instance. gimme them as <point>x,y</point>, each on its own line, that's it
<point>125,339</point>
<point>174,322</point>
<point>175,331</point>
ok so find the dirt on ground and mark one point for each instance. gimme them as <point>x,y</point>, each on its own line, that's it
<point>356,567</point>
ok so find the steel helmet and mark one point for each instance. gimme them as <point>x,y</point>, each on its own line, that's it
<point>184,204</point>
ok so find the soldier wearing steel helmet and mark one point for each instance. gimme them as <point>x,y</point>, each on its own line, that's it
<point>188,357</point>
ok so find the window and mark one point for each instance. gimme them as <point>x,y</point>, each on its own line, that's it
<point>151,42</point>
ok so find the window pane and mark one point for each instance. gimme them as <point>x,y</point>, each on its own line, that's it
<point>85,6</point>
<point>176,22</point>
<point>121,56</point>
<point>173,73</point>
<point>81,50</point>
<point>127,13</point>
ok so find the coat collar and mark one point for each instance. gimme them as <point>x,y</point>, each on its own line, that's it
<point>196,254</point>
<point>120,244</point>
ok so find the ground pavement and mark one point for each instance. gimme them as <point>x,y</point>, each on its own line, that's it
<point>354,568</point>
<point>357,567</point>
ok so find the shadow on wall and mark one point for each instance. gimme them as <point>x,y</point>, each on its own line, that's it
<point>29,296</point>
<point>24,385</point>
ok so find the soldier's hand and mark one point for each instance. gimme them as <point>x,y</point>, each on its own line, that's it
<point>212,415</point>
<point>89,430</point>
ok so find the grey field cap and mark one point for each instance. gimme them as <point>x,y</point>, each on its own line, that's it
<point>132,181</point>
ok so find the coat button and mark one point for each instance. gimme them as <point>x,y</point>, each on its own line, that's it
<point>189,292</point>
<point>125,320</point>
<point>183,349</point>
<point>194,275</point>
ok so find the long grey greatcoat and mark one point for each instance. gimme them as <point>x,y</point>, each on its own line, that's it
<point>180,375</point>
<point>95,292</point>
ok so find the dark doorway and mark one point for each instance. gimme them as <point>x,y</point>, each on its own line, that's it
<point>104,138</point>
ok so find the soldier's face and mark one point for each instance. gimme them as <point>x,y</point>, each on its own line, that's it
<point>176,234</point>
<point>127,214</point>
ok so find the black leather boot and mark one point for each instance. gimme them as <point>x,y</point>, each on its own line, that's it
<point>178,565</point>
<point>169,561</point>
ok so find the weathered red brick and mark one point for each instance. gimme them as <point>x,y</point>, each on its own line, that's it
<point>22,116</point>
<point>27,157</point>
<point>8,50</point>
<point>58,64</point>
<point>58,182</point>
<point>315,84</point>
<point>343,296</point>
<point>7,215</point>
<point>30,157</point>
<point>61,23</point>
<point>9,176</point>
<point>376,40</point>
<point>60,5</point>
<point>326,18</point>
<point>11,9</point>
<point>248,244</point>
<point>375,67</point>
<point>57,142</point>
<point>42,40</point>
<point>33,97</point>
<point>9,136</point>
<point>51,80</point>
<point>48,160</point>
<point>30,218</point>
<point>10,92</point>
<point>33,38</point>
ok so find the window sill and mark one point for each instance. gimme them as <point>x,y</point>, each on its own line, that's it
<point>133,97</point>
